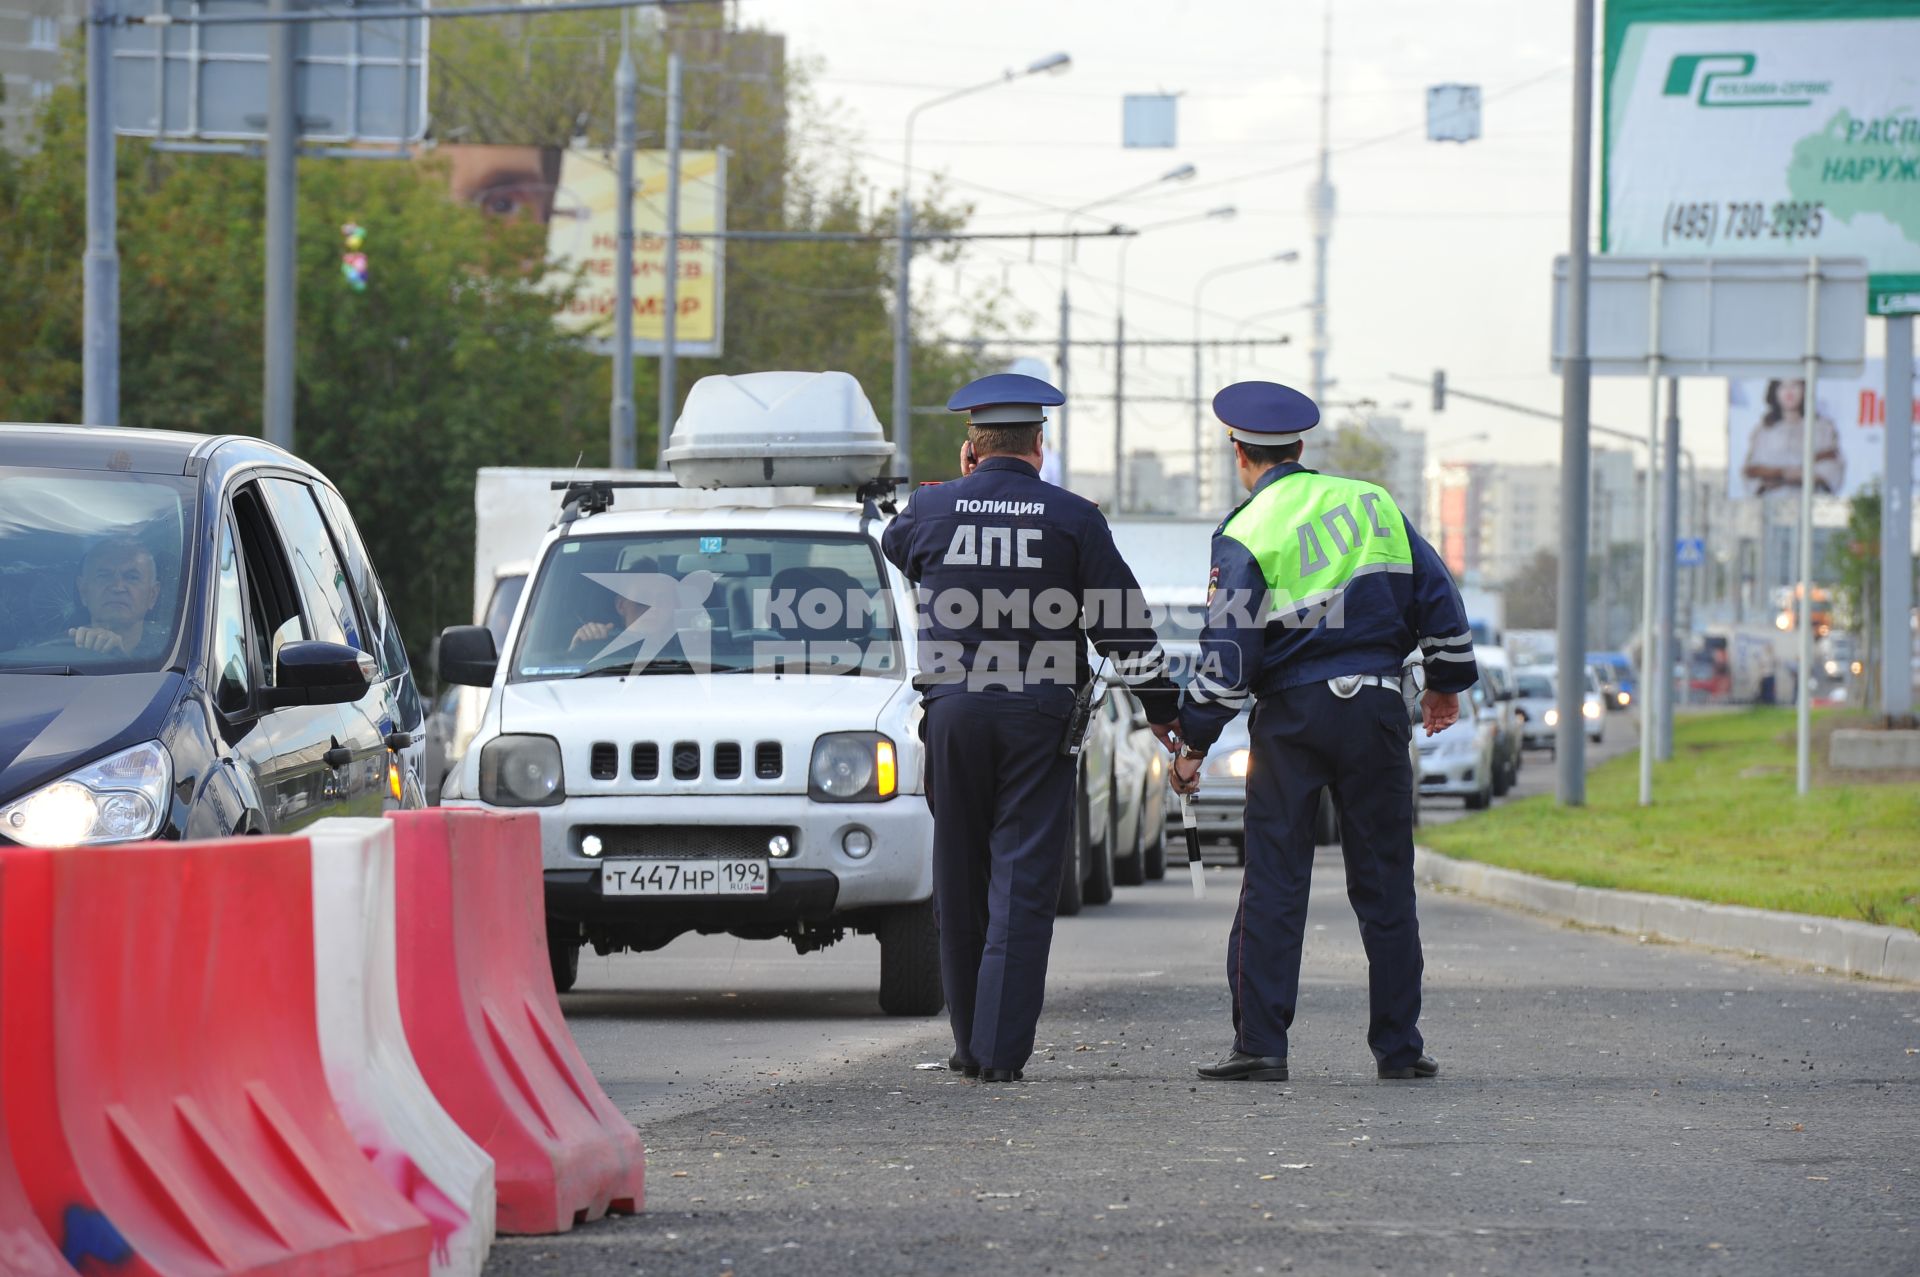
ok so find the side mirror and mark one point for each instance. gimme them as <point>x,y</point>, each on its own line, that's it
<point>311,672</point>
<point>1503,696</point>
<point>468,655</point>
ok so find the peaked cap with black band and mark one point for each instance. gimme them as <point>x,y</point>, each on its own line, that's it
<point>1265,413</point>
<point>1005,399</point>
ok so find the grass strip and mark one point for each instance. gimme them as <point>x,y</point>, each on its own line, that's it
<point>1726,826</point>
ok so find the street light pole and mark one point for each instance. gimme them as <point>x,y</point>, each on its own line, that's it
<point>622,446</point>
<point>1062,438</point>
<point>100,350</point>
<point>283,140</point>
<point>1199,287</point>
<point>1225,212</point>
<point>1576,374</point>
<point>670,308</point>
<point>903,281</point>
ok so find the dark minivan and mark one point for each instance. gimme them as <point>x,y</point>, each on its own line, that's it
<point>192,643</point>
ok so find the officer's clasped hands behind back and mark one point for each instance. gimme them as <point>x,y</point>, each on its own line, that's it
<point>1318,591</point>
<point>1014,576</point>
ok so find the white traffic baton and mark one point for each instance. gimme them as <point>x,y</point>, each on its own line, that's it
<point>1194,867</point>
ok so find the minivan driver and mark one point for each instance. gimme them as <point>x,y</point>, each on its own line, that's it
<point>118,587</point>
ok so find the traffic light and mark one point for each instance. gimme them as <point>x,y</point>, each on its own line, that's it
<point>1439,390</point>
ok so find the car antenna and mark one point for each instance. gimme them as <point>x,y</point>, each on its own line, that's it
<point>564,516</point>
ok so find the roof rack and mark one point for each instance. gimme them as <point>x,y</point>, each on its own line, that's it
<point>595,496</point>
<point>876,495</point>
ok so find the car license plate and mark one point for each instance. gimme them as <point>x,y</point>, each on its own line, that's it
<point>683,878</point>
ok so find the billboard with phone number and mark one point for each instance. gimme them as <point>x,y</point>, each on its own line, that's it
<point>1776,128</point>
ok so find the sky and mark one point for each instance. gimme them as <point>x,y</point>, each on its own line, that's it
<point>1441,254</point>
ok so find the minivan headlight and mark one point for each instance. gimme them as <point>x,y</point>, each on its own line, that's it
<point>850,767</point>
<point>521,771</point>
<point>1232,765</point>
<point>121,798</point>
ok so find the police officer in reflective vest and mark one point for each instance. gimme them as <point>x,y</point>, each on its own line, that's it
<point>1320,593</point>
<point>1014,574</point>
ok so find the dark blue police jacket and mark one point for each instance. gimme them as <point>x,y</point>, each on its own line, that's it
<point>1014,574</point>
<point>1316,576</point>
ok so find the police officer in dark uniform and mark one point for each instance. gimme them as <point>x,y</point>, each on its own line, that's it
<point>1014,576</point>
<point>1320,592</point>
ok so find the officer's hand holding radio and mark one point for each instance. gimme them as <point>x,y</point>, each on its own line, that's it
<point>967,458</point>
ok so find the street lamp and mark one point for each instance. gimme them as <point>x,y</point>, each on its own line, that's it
<point>1224,213</point>
<point>1181,173</point>
<point>1199,287</point>
<point>1052,64</point>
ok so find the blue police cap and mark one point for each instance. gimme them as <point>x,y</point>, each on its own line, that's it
<point>1005,399</point>
<point>1265,413</point>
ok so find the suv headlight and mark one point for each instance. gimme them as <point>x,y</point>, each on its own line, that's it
<point>121,798</point>
<point>851,767</point>
<point>521,771</point>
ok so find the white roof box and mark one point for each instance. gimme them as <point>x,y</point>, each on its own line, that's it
<point>761,429</point>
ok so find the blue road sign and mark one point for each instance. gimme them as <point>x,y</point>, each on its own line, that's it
<point>1690,552</point>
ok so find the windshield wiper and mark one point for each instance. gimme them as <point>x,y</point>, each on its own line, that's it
<point>669,666</point>
<point>38,669</point>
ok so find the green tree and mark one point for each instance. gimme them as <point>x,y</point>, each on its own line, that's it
<point>448,361</point>
<point>1853,559</point>
<point>1356,453</point>
<point>1533,593</point>
<point>799,305</point>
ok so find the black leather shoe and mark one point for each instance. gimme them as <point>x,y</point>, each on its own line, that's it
<point>1241,1067</point>
<point>1001,1075</point>
<point>959,1065</point>
<point>1424,1067</point>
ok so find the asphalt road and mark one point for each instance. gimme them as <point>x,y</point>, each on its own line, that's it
<point>1604,1105</point>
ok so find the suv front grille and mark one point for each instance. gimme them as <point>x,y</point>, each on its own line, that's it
<point>684,842</point>
<point>684,760</point>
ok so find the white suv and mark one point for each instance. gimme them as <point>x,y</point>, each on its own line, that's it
<point>711,709</point>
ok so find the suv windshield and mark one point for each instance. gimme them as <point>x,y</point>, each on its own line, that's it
<point>93,566</point>
<point>1534,687</point>
<point>672,603</point>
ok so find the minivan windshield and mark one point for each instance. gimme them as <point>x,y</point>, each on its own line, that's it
<point>695,603</point>
<point>1534,687</point>
<point>93,569</point>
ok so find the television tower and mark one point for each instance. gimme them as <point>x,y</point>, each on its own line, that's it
<point>1320,212</point>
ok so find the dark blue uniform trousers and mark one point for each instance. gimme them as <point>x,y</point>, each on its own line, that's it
<point>1305,738</point>
<point>1001,794</point>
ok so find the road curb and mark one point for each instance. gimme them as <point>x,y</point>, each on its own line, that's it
<point>1838,944</point>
